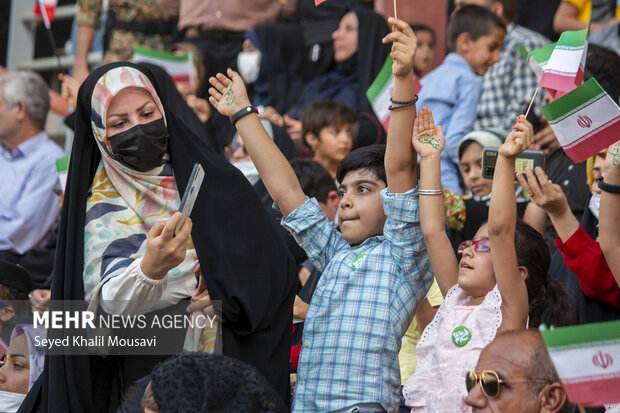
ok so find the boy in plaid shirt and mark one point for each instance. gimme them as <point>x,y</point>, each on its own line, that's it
<point>375,272</point>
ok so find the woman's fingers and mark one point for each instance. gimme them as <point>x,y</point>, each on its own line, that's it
<point>156,229</point>
<point>168,231</point>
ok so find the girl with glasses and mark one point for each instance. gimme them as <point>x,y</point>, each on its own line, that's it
<point>487,290</point>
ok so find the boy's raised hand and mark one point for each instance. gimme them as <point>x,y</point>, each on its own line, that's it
<point>404,47</point>
<point>428,140</point>
<point>228,94</point>
<point>518,140</point>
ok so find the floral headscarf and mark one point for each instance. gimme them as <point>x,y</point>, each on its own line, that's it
<point>124,204</point>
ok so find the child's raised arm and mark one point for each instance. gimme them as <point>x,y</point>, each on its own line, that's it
<point>609,213</point>
<point>228,96</point>
<point>400,158</point>
<point>428,141</point>
<point>502,226</point>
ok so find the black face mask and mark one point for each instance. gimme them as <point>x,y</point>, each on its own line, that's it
<point>141,147</point>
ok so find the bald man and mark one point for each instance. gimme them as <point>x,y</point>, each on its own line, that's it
<point>528,380</point>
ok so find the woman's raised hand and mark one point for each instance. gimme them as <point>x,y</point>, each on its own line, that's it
<point>404,47</point>
<point>428,139</point>
<point>519,139</point>
<point>164,250</point>
<point>228,94</point>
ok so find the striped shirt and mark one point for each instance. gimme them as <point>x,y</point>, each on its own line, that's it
<point>364,302</point>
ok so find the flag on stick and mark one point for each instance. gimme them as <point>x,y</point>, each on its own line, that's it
<point>46,9</point>
<point>380,92</point>
<point>585,121</point>
<point>587,359</point>
<point>381,89</point>
<point>564,71</point>
<point>62,166</point>
<point>317,2</point>
<point>537,59</point>
<point>179,67</point>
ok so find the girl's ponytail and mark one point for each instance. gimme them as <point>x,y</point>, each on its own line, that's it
<point>548,300</point>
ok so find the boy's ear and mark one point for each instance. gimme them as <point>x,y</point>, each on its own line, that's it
<point>6,314</point>
<point>311,140</point>
<point>523,272</point>
<point>332,198</point>
<point>463,43</point>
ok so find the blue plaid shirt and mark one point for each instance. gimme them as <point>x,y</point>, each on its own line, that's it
<point>364,302</point>
<point>508,86</point>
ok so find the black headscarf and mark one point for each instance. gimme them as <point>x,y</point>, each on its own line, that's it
<point>362,68</point>
<point>245,263</point>
<point>193,383</point>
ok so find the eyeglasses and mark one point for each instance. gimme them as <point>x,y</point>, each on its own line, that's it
<point>481,245</point>
<point>490,383</point>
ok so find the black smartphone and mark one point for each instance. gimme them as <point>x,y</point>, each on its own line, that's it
<point>190,195</point>
<point>527,159</point>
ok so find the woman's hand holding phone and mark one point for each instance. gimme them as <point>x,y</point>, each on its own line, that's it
<point>164,250</point>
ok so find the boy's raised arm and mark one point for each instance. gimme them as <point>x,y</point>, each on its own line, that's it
<point>400,157</point>
<point>501,227</point>
<point>228,96</point>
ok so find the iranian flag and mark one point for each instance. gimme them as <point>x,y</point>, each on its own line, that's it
<point>380,92</point>
<point>179,67</point>
<point>62,167</point>
<point>537,59</point>
<point>564,71</point>
<point>46,9</point>
<point>587,359</point>
<point>585,121</point>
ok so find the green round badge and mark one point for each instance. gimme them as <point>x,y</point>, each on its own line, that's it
<point>461,336</point>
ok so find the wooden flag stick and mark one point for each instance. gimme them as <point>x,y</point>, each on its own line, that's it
<point>395,15</point>
<point>531,101</point>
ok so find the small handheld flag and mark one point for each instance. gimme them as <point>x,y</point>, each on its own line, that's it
<point>179,67</point>
<point>587,359</point>
<point>380,92</point>
<point>537,59</point>
<point>62,166</point>
<point>46,9</point>
<point>585,120</point>
<point>564,71</point>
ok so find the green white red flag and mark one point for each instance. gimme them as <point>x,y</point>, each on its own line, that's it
<point>380,92</point>
<point>585,121</point>
<point>179,67</point>
<point>537,59</point>
<point>564,70</point>
<point>46,9</point>
<point>62,167</point>
<point>587,359</point>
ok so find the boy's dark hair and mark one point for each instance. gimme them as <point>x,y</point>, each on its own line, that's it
<point>475,20</point>
<point>369,158</point>
<point>548,300</point>
<point>604,65</point>
<point>318,115</point>
<point>314,179</point>
<point>15,298</point>
<point>423,28</point>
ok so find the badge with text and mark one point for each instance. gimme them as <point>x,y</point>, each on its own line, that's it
<point>357,262</point>
<point>461,336</point>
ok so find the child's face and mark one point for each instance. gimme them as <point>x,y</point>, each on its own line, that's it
<point>476,275</point>
<point>360,213</point>
<point>424,53</point>
<point>334,143</point>
<point>471,168</point>
<point>597,170</point>
<point>15,373</point>
<point>483,52</point>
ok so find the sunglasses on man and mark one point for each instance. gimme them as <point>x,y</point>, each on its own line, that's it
<point>490,383</point>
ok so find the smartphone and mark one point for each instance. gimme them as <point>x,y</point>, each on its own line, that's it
<point>527,159</point>
<point>190,195</point>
